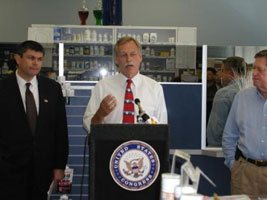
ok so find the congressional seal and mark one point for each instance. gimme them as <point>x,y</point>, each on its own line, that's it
<point>134,165</point>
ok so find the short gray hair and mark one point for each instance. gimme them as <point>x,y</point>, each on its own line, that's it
<point>125,40</point>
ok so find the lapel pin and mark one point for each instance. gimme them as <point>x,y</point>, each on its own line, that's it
<point>46,100</point>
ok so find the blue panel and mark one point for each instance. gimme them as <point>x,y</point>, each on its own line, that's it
<point>78,100</point>
<point>76,189</point>
<point>78,170</point>
<point>76,140</point>
<point>78,179</point>
<point>112,12</point>
<point>75,110</point>
<point>83,84</point>
<point>215,169</point>
<point>184,115</point>
<point>77,130</point>
<point>76,120</point>
<point>78,150</point>
<point>77,160</point>
<point>85,93</point>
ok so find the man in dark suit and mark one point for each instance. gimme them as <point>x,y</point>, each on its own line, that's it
<point>33,133</point>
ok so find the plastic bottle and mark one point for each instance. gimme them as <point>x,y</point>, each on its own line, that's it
<point>172,52</point>
<point>87,35</point>
<point>94,36</point>
<point>5,68</point>
<point>64,197</point>
<point>147,51</point>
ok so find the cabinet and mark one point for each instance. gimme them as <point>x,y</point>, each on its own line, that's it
<point>89,49</point>
<point>7,61</point>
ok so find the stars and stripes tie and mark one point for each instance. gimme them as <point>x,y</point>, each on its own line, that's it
<point>31,110</point>
<point>128,108</point>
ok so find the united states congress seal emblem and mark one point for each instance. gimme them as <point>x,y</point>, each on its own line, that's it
<point>134,165</point>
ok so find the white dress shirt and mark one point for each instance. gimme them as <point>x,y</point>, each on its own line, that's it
<point>146,89</point>
<point>33,89</point>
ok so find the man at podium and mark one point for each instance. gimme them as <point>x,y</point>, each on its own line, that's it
<point>112,99</point>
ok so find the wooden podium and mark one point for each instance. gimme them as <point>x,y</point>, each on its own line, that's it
<point>104,144</point>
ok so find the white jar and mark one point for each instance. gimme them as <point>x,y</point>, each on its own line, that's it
<point>168,183</point>
<point>146,38</point>
<point>102,51</point>
<point>100,38</point>
<point>153,37</point>
<point>96,53</point>
<point>87,35</point>
<point>105,37</point>
<point>94,36</point>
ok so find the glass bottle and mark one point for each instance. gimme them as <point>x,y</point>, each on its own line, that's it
<point>83,13</point>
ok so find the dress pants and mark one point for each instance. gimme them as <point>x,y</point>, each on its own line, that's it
<point>21,184</point>
<point>247,178</point>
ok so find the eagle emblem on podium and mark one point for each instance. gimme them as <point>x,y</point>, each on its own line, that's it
<point>134,165</point>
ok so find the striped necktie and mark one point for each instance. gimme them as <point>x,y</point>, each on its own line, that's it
<point>128,108</point>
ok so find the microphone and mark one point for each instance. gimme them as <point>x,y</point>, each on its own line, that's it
<point>141,112</point>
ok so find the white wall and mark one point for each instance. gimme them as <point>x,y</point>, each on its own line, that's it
<point>219,22</point>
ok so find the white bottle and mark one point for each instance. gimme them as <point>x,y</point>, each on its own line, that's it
<point>96,51</point>
<point>64,197</point>
<point>102,51</point>
<point>94,36</point>
<point>152,52</point>
<point>95,65</point>
<point>147,52</point>
<point>5,68</point>
<point>87,35</point>
<point>105,37</point>
<point>100,37</point>
<point>55,65</point>
<point>91,50</point>
<point>172,52</point>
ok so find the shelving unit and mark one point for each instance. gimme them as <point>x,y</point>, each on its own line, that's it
<point>89,49</point>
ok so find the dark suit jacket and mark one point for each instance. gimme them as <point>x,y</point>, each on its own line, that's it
<point>48,149</point>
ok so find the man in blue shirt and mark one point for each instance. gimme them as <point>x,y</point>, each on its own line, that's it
<point>245,135</point>
<point>232,70</point>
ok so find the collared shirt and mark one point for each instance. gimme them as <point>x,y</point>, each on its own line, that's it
<point>247,126</point>
<point>147,90</point>
<point>220,109</point>
<point>33,88</point>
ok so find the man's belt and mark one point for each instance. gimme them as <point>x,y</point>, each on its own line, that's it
<point>259,163</point>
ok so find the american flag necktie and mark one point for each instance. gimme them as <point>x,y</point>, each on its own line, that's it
<point>128,108</point>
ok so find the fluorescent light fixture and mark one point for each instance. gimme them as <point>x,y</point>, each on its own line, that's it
<point>61,59</point>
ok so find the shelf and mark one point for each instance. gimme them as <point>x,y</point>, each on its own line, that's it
<point>82,42</point>
<point>85,56</point>
<point>159,44</point>
<point>111,43</point>
<point>78,71</point>
<point>78,43</point>
<point>157,71</point>
<point>81,70</point>
<point>110,56</point>
<point>158,57</point>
